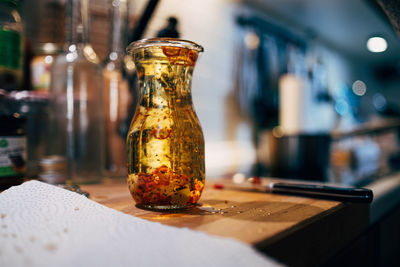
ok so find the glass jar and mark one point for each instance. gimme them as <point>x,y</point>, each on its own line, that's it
<point>32,106</point>
<point>165,144</point>
<point>11,46</point>
<point>13,146</point>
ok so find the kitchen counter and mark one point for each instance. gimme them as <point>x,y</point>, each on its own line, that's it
<point>298,231</point>
<point>386,196</point>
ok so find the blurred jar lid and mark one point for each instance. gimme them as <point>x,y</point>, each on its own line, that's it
<point>53,163</point>
<point>53,169</point>
<point>31,96</point>
<point>48,49</point>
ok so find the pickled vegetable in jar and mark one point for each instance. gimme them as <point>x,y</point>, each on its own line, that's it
<point>165,143</point>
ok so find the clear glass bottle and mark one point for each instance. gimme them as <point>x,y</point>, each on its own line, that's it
<point>11,46</point>
<point>166,168</point>
<point>76,98</point>
<point>116,92</point>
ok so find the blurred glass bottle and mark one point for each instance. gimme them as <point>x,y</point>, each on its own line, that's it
<point>116,92</point>
<point>11,45</point>
<point>76,95</point>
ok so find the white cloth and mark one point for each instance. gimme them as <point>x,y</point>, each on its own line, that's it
<point>43,225</point>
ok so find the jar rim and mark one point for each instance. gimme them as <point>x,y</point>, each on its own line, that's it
<point>164,42</point>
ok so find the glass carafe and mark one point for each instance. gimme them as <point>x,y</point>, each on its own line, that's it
<point>116,93</point>
<point>76,101</point>
<point>165,144</point>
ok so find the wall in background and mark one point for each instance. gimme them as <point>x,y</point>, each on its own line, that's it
<point>212,24</point>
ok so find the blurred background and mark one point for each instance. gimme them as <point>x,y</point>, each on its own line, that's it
<point>291,89</point>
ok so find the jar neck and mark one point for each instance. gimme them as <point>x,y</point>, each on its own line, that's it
<point>164,86</point>
<point>77,23</point>
<point>118,27</point>
<point>78,40</point>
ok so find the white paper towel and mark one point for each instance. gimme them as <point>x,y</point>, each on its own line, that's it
<point>43,225</point>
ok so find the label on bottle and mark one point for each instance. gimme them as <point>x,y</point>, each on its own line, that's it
<point>12,156</point>
<point>40,70</point>
<point>10,49</point>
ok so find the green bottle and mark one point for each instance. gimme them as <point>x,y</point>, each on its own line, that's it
<point>11,45</point>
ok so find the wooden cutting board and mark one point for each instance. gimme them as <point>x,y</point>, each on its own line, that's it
<point>296,230</point>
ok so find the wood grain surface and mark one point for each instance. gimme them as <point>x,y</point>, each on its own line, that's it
<point>296,230</point>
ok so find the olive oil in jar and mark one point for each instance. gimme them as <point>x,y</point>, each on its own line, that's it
<point>166,168</point>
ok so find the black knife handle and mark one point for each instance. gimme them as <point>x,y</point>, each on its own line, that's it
<point>344,194</point>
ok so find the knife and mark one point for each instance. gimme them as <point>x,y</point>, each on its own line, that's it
<point>344,194</point>
<point>313,190</point>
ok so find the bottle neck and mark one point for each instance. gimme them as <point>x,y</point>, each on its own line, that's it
<point>78,23</point>
<point>119,22</point>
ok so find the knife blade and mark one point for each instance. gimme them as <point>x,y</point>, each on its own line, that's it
<point>307,189</point>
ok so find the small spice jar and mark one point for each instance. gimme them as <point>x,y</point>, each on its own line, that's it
<point>13,146</point>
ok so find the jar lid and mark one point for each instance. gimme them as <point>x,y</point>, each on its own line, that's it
<point>164,42</point>
<point>53,163</point>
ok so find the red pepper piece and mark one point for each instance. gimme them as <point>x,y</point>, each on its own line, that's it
<point>171,51</point>
<point>256,180</point>
<point>218,186</point>
<point>162,133</point>
<point>193,56</point>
